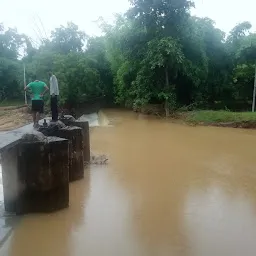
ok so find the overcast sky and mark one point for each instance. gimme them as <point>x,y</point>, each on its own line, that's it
<point>25,15</point>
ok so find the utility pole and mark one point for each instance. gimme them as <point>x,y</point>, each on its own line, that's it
<point>254,86</point>
<point>254,91</point>
<point>25,84</point>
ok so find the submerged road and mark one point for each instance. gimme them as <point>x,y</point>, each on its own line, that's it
<point>169,189</point>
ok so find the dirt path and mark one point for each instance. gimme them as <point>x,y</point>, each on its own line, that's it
<point>13,117</point>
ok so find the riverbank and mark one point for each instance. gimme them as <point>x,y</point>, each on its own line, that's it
<point>13,117</point>
<point>220,118</point>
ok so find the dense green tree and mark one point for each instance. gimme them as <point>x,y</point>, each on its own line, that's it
<point>96,51</point>
<point>244,72</point>
<point>10,68</point>
<point>156,53</point>
<point>68,39</point>
<point>79,81</point>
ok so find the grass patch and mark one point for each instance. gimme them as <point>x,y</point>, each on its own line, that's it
<point>209,116</point>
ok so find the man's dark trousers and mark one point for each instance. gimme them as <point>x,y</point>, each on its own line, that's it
<point>54,107</point>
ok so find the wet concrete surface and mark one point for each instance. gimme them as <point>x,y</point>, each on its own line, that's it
<point>169,189</point>
<point>10,138</point>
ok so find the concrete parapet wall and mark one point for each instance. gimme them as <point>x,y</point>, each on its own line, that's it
<point>76,158</point>
<point>12,186</point>
<point>84,125</point>
<point>36,176</point>
<point>37,169</point>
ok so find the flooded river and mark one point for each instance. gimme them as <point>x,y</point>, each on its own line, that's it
<point>168,190</point>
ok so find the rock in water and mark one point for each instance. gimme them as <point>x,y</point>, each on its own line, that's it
<point>98,159</point>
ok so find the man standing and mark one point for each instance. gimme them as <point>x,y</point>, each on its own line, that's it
<point>54,93</point>
<point>37,89</point>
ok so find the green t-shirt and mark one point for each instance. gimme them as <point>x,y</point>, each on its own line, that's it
<point>37,88</point>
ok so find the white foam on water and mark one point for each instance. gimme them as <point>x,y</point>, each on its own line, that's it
<point>93,119</point>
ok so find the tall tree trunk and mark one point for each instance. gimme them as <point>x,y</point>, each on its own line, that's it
<point>166,105</point>
<point>254,91</point>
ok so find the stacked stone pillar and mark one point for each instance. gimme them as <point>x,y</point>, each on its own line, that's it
<point>36,176</point>
<point>36,173</point>
<point>76,158</point>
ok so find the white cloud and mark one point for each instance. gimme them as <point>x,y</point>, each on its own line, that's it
<point>227,13</point>
<point>24,14</point>
<point>53,13</point>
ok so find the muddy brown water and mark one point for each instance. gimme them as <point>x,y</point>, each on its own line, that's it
<point>169,189</point>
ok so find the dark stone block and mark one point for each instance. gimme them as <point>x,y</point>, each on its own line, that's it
<point>86,138</point>
<point>12,187</point>
<point>44,170</point>
<point>76,158</point>
<point>36,176</point>
<point>36,201</point>
<point>52,130</point>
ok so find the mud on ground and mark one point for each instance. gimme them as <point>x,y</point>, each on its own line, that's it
<point>14,117</point>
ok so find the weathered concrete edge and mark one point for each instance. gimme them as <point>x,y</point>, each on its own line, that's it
<point>16,135</point>
<point>7,232</point>
<point>6,144</point>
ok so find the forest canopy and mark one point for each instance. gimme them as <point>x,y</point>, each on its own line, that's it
<point>155,53</point>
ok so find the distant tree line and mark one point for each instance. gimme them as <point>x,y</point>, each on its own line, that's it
<point>156,53</point>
